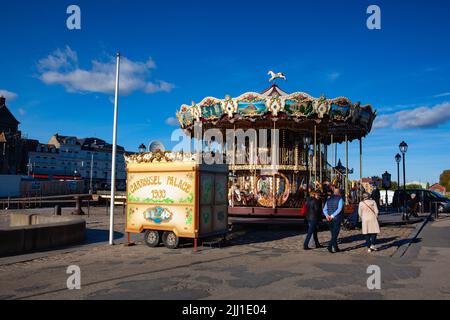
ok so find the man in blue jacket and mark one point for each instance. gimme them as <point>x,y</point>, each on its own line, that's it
<point>333,212</point>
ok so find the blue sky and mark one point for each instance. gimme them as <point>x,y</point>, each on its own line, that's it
<point>57,80</point>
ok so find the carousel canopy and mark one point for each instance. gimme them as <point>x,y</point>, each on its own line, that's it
<point>297,111</point>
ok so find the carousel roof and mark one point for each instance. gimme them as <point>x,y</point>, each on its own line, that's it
<point>297,111</point>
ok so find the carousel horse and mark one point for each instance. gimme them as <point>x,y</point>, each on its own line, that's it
<point>274,75</point>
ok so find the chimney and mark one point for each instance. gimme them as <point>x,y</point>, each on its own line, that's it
<point>2,101</point>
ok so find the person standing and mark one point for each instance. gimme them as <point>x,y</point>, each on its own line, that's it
<point>368,212</point>
<point>313,217</point>
<point>376,196</point>
<point>333,210</point>
<point>412,206</point>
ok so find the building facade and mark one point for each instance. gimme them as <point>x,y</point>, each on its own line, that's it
<point>438,188</point>
<point>67,157</point>
<point>11,144</point>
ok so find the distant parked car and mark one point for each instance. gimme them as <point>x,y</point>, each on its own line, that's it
<point>428,199</point>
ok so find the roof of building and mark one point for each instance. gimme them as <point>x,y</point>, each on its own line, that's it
<point>63,139</point>
<point>5,113</point>
<point>273,89</point>
<point>96,144</point>
<point>437,186</point>
<point>3,138</point>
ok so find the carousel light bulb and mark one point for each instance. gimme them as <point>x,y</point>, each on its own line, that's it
<point>307,140</point>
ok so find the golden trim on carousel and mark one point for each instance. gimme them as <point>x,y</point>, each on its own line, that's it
<point>309,129</point>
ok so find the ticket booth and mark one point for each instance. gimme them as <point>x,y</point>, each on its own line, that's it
<point>171,198</point>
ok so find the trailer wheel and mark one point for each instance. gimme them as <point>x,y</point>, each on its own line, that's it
<point>170,240</point>
<point>151,238</point>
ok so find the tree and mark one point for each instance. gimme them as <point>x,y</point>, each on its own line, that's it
<point>394,185</point>
<point>414,186</point>
<point>444,179</point>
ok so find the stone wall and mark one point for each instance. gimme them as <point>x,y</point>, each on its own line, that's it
<point>23,233</point>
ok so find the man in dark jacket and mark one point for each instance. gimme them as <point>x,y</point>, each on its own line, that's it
<point>376,196</point>
<point>333,211</point>
<point>412,206</point>
<point>313,217</point>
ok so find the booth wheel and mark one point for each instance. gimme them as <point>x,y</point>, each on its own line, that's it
<point>151,238</point>
<point>170,240</point>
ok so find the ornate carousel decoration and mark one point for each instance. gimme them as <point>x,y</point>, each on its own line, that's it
<point>299,117</point>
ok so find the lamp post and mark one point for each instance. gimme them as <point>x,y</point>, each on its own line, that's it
<point>306,144</point>
<point>29,167</point>
<point>114,154</point>
<point>90,174</point>
<point>142,148</point>
<point>403,149</point>
<point>398,158</point>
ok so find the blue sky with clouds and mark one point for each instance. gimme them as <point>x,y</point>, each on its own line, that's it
<point>57,80</point>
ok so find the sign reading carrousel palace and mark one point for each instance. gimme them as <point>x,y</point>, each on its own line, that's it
<point>177,197</point>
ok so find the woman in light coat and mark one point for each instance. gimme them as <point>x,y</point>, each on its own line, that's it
<point>368,212</point>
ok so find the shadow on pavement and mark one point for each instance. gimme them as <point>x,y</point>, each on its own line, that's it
<point>100,235</point>
<point>382,243</point>
<point>244,234</point>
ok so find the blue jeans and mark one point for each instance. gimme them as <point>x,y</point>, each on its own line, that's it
<point>335,228</point>
<point>371,239</point>
<point>312,232</point>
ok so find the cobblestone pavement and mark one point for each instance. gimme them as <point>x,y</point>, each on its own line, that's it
<point>257,263</point>
<point>350,241</point>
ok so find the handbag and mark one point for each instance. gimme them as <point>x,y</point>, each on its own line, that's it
<point>304,210</point>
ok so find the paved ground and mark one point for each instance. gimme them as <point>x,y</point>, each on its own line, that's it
<point>258,263</point>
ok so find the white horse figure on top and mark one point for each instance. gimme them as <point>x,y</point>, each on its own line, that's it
<point>273,75</point>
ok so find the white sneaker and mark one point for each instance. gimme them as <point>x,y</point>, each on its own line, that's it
<point>369,250</point>
<point>373,248</point>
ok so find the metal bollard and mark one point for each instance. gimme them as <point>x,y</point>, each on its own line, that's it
<point>78,210</point>
<point>57,211</point>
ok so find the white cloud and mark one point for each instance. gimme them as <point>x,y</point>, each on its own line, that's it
<point>22,111</point>
<point>8,94</point>
<point>172,121</point>
<point>382,122</point>
<point>159,86</point>
<point>421,117</point>
<point>445,94</point>
<point>333,76</point>
<point>61,67</point>
<point>59,59</point>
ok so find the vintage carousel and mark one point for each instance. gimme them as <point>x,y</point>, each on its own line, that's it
<point>297,132</point>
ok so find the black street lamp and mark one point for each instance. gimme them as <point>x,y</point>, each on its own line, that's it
<point>398,158</point>
<point>403,149</point>
<point>307,143</point>
<point>142,148</point>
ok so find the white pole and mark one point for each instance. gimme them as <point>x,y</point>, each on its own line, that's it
<point>90,176</point>
<point>114,151</point>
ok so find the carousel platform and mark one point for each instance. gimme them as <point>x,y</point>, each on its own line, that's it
<point>392,219</point>
<point>264,212</point>
<point>275,212</point>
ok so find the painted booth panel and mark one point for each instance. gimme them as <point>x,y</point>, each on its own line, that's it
<point>168,197</point>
